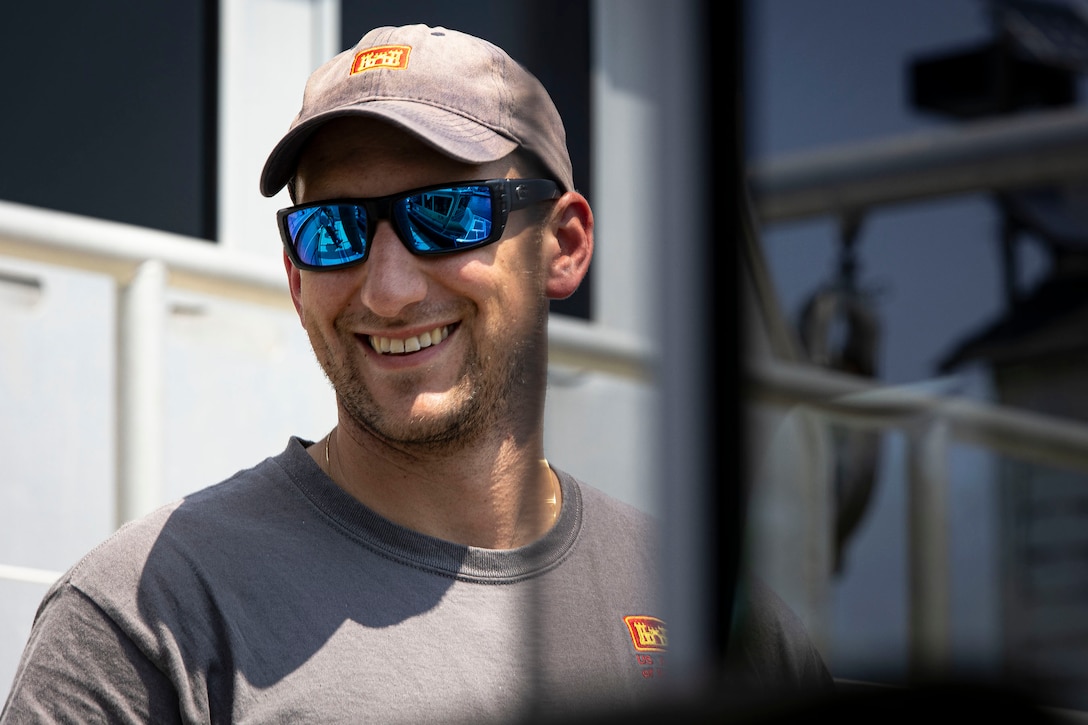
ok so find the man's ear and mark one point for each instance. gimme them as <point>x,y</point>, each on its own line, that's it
<point>568,244</point>
<point>294,282</point>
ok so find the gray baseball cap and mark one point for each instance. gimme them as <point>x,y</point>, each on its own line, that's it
<point>462,95</point>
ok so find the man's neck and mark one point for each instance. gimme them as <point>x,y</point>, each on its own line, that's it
<point>498,495</point>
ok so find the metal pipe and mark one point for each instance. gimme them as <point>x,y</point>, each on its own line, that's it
<point>929,571</point>
<point>28,575</point>
<point>1034,437</point>
<point>117,250</point>
<point>575,343</point>
<point>984,156</point>
<point>141,312</point>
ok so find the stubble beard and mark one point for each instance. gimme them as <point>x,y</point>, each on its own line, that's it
<point>487,391</point>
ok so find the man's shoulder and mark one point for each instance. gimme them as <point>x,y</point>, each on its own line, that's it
<point>617,542</point>
<point>600,503</point>
<point>770,648</point>
<point>613,520</point>
<point>191,527</point>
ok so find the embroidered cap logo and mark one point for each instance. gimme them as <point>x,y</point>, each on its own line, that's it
<point>393,57</point>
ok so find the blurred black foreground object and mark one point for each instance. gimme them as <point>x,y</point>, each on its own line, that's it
<point>851,703</point>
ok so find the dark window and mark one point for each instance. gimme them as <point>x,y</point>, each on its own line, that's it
<point>111,107</point>
<point>110,110</point>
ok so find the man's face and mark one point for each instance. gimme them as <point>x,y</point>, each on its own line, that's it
<point>482,311</point>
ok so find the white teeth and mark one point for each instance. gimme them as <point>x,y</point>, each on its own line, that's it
<point>387,345</point>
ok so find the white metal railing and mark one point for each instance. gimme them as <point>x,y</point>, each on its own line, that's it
<point>28,574</point>
<point>931,422</point>
<point>861,401</point>
<point>984,156</point>
<point>1019,151</point>
<point>145,262</point>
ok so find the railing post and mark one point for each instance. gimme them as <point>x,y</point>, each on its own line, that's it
<point>928,548</point>
<point>141,317</point>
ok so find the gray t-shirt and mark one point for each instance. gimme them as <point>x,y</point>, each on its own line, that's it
<point>277,597</point>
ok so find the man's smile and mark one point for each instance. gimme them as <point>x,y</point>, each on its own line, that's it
<point>400,346</point>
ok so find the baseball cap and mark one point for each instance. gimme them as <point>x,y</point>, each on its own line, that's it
<point>464,96</point>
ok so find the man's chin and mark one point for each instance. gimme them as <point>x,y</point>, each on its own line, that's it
<point>424,434</point>
<point>435,420</point>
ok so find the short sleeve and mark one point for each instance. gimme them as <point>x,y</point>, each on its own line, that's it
<point>79,666</point>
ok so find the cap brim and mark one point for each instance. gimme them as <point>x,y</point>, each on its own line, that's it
<point>449,133</point>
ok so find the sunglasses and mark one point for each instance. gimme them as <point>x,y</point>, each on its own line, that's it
<point>438,219</point>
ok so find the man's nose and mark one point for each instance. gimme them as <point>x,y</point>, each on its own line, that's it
<point>394,277</point>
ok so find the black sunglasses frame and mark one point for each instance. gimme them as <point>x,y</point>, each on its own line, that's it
<point>507,195</point>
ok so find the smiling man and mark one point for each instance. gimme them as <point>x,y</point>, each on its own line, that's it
<point>423,561</point>
<point>438,359</point>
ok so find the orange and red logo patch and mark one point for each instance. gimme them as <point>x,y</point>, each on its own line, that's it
<point>393,57</point>
<point>650,641</point>
<point>647,633</point>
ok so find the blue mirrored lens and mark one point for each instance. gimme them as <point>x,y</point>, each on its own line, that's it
<point>429,221</point>
<point>445,220</point>
<point>329,236</point>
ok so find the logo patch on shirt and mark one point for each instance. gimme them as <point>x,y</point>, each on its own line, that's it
<point>647,633</point>
<point>650,641</point>
<point>393,57</point>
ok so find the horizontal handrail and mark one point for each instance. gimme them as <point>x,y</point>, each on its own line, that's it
<point>28,574</point>
<point>1024,150</point>
<point>118,250</point>
<point>861,401</point>
<point>929,421</point>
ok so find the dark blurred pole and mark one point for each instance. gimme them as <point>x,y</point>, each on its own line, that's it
<point>702,469</point>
